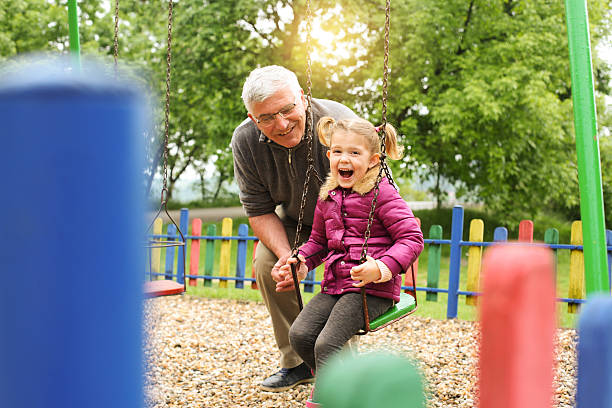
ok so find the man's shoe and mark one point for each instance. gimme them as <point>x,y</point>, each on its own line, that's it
<point>287,378</point>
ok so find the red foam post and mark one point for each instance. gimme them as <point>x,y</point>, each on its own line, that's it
<point>194,262</point>
<point>518,322</point>
<point>525,231</point>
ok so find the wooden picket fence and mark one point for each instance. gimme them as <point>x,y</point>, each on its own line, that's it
<point>434,242</point>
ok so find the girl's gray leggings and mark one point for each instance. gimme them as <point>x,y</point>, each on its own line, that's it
<point>328,322</point>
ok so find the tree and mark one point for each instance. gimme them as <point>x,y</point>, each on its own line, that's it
<point>480,89</point>
<point>482,92</point>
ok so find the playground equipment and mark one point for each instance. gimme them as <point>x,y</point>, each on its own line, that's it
<point>71,314</point>
<point>408,301</point>
<point>153,287</point>
<point>163,287</point>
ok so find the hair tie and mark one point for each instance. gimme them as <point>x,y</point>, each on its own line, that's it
<point>377,129</point>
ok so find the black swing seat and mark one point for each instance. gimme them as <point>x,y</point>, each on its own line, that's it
<point>406,305</point>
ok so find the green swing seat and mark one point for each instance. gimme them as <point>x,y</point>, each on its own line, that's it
<point>406,305</point>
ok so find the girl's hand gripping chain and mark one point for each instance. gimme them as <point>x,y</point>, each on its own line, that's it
<point>366,272</point>
<point>286,282</point>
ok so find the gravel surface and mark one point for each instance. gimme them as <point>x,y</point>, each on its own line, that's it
<point>214,353</point>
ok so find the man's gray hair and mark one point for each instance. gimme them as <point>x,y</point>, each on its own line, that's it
<point>265,81</point>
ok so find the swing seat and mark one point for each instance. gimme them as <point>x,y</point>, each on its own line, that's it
<point>162,288</point>
<point>406,305</point>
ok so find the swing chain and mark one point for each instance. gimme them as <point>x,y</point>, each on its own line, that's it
<point>383,164</point>
<point>167,106</point>
<point>309,125</point>
<point>386,66</point>
<point>116,38</point>
<point>385,92</point>
<point>383,148</point>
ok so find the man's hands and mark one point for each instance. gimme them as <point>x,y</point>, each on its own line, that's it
<point>366,272</point>
<point>283,276</point>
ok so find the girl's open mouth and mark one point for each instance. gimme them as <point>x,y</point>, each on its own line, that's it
<point>345,173</point>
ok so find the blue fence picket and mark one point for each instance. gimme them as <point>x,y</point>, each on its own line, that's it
<point>243,232</point>
<point>170,252</point>
<point>184,226</point>
<point>455,262</point>
<point>309,287</point>
<point>500,234</point>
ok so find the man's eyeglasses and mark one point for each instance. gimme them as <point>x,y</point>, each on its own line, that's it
<point>268,118</point>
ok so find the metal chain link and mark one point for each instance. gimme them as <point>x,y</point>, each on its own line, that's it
<point>383,163</point>
<point>309,126</point>
<point>116,38</point>
<point>385,93</point>
<point>164,196</point>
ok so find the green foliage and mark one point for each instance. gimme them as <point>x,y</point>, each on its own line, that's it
<point>479,89</point>
<point>482,92</point>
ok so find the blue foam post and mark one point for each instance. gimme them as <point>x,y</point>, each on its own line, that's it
<point>70,248</point>
<point>595,354</point>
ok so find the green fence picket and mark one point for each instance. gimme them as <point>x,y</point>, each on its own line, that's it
<point>209,261</point>
<point>551,237</point>
<point>433,264</point>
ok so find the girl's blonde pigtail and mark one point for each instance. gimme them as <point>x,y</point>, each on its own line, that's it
<point>393,149</point>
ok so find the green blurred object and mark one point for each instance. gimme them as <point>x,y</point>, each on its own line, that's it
<point>587,149</point>
<point>370,380</point>
<point>73,31</point>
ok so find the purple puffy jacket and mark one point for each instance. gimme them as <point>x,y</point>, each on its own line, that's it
<point>338,232</point>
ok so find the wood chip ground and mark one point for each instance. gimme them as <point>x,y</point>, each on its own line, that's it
<point>214,353</point>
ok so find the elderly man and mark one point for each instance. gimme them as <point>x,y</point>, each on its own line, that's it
<point>270,163</point>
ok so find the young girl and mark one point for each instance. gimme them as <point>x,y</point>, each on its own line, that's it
<point>335,314</point>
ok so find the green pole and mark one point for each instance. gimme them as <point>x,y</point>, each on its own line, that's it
<point>587,148</point>
<point>73,24</point>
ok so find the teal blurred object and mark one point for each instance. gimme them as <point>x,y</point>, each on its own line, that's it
<point>370,380</point>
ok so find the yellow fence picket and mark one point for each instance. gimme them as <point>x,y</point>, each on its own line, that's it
<point>226,246</point>
<point>156,252</point>
<point>474,260</point>
<point>576,272</point>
